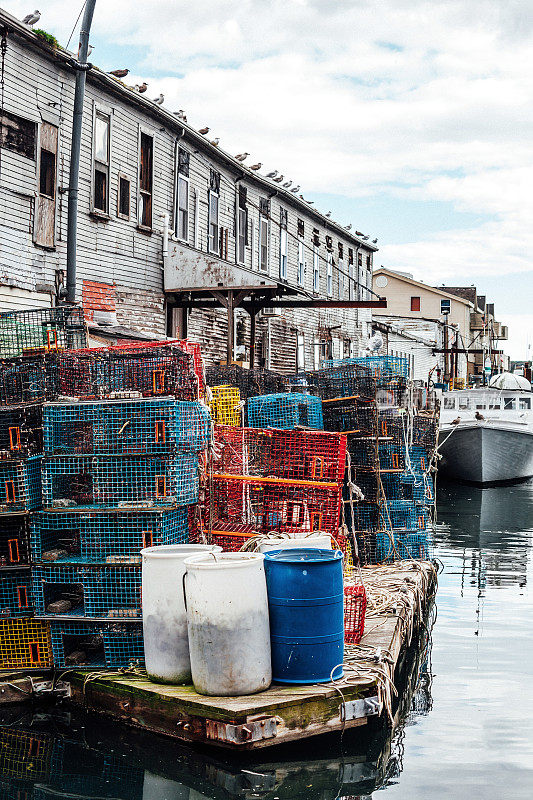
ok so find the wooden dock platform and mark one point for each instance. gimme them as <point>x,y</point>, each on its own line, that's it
<point>282,713</point>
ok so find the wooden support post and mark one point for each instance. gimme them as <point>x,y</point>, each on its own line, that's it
<point>253,314</point>
<point>231,328</point>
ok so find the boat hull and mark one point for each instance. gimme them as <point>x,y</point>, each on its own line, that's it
<point>484,454</point>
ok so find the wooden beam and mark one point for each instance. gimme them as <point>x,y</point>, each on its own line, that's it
<point>328,303</point>
<point>471,351</point>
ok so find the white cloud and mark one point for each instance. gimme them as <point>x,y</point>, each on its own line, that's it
<point>429,101</point>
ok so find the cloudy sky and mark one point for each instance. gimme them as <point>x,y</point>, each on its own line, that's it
<point>412,120</point>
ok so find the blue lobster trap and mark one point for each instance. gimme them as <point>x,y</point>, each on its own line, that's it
<point>419,459</point>
<point>347,380</point>
<point>405,514</point>
<point>404,545</point>
<point>96,644</point>
<point>20,485</point>
<point>377,366</point>
<point>105,536</point>
<point>285,410</point>
<point>114,427</point>
<point>118,481</point>
<point>109,592</point>
<point>362,515</point>
<point>15,595</point>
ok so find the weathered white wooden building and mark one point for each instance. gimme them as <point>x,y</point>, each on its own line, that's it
<point>170,227</point>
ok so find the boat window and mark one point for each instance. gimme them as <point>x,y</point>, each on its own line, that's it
<point>480,405</point>
<point>494,402</point>
<point>449,402</point>
<point>464,402</point>
<point>525,403</point>
<point>509,403</point>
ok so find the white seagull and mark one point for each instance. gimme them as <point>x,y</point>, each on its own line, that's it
<point>31,19</point>
<point>159,100</point>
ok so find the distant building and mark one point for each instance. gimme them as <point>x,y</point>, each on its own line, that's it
<point>437,320</point>
<point>485,333</point>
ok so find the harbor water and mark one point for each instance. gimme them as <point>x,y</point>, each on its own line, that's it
<point>464,728</point>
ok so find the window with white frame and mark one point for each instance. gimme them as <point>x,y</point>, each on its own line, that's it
<point>301,264</point>
<point>300,352</point>
<point>101,158</point>
<point>182,200</point>
<point>316,269</point>
<point>283,244</point>
<point>214,202</point>
<point>242,225</point>
<point>262,237</point>
<point>329,281</point>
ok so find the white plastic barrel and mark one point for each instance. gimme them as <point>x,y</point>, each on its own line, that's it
<point>317,541</point>
<point>166,644</point>
<point>227,618</point>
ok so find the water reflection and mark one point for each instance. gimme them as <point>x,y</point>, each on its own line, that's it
<point>60,754</point>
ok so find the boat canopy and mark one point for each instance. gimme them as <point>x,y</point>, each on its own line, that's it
<point>507,380</point>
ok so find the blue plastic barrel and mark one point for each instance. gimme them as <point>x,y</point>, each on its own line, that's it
<point>305,600</point>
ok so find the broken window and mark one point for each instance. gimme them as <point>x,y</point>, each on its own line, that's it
<point>17,134</point>
<point>102,130</point>
<point>182,199</point>
<point>123,201</point>
<point>146,179</point>
<point>329,243</point>
<point>47,176</point>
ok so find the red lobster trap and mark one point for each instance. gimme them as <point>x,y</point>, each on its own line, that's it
<point>262,481</point>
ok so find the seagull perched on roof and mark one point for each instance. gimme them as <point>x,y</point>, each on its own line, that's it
<point>31,19</point>
<point>287,184</point>
<point>119,73</point>
<point>181,115</point>
<point>295,190</point>
<point>328,214</point>
<point>242,156</point>
<point>215,142</point>
<point>279,179</point>
<point>255,167</point>
<point>159,100</point>
<point>366,238</point>
<point>142,88</point>
<point>272,174</point>
<point>359,233</point>
<point>348,227</point>
<point>374,241</point>
<point>203,131</point>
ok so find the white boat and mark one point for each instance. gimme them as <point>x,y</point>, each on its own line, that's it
<point>486,434</point>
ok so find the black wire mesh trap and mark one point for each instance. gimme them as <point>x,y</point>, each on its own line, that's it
<point>21,431</point>
<point>41,330</point>
<point>14,542</point>
<point>27,380</point>
<point>96,644</point>
<point>249,382</point>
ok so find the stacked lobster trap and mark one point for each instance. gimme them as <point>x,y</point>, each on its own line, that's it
<point>30,343</point>
<point>120,472</point>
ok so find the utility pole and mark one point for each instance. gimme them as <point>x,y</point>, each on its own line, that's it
<point>74,175</point>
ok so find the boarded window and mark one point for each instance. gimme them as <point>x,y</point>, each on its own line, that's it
<point>123,202</point>
<point>214,181</point>
<point>146,171</point>
<point>415,304</point>
<point>45,211</point>
<point>17,134</point>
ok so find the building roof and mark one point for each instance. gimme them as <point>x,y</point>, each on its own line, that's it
<point>129,95</point>
<point>402,277</point>
<point>466,292</point>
